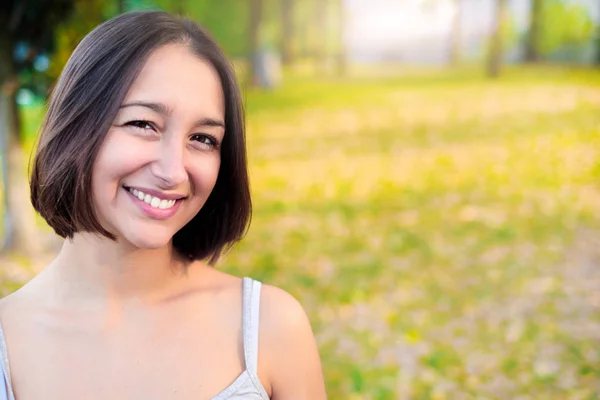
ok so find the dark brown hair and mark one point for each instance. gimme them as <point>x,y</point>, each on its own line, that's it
<point>85,102</point>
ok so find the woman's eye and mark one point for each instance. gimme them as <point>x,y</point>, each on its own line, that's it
<point>141,124</point>
<point>205,140</point>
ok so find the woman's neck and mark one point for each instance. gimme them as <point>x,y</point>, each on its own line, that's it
<point>96,269</point>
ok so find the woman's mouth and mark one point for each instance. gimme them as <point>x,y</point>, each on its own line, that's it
<point>158,207</point>
<point>155,202</point>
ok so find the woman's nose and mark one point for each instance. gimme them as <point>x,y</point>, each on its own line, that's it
<point>169,166</point>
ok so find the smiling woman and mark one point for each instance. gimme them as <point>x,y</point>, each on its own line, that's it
<point>141,167</point>
<point>176,156</point>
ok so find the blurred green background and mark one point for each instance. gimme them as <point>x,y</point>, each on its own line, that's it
<point>425,177</point>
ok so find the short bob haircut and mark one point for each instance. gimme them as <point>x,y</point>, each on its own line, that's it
<point>82,108</point>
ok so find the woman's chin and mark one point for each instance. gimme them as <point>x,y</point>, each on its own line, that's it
<point>149,241</point>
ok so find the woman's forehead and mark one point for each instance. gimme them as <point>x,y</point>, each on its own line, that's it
<point>175,76</point>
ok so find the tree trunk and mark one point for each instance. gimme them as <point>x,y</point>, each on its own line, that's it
<point>7,223</point>
<point>255,20</point>
<point>320,18</point>
<point>455,42</point>
<point>20,233</point>
<point>532,53</point>
<point>598,41</point>
<point>303,29</point>
<point>23,237</point>
<point>342,64</point>
<point>496,47</point>
<point>287,17</point>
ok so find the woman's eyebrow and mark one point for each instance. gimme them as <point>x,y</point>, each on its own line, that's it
<point>166,111</point>
<point>210,122</point>
<point>156,107</point>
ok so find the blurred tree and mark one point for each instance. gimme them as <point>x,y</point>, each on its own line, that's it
<point>26,36</point>
<point>324,29</point>
<point>342,64</point>
<point>303,30</point>
<point>311,25</point>
<point>287,31</point>
<point>571,24</point>
<point>256,12</point>
<point>320,18</point>
<point>430,6</point>
<point>455,43</point>
<point>229,23</point>
<point>496,46</point>
<point>598,40</point>
<point>536,17</point>
<point>84,17</point>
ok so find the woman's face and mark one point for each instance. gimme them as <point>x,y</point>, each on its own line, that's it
<point>161,157</point>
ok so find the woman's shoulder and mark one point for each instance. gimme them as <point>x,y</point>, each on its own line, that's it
<point>14,308</point>
<point>288,348</point>
<point>7,303</point>
<point>19,300</point>
<point>280,310</point>
<point>284,324</point>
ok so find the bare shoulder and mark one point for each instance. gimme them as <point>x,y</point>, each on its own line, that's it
<point>15,308</point>
<point>13,300</point>
<point>28,294</point>
<point>288,349</point>
<point>280,311</point>
<point>3,302</point>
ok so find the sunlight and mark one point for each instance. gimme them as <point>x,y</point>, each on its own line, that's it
<point>380,22</point>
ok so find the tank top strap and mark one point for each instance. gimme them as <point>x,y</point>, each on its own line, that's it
<point>6,392</point>
<point>251,313</point>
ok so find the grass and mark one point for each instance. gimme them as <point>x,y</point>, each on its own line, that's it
<point>435,228</point>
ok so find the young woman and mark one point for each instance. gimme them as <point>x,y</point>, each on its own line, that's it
<point>141,167</point>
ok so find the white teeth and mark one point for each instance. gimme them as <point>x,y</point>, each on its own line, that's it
<point>154,202</point>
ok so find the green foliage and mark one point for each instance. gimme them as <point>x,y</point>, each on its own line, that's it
<point>564,23</point>
<point>86,15</point>
<point>509,32</point>
<point>29,39</point>
<point>229,23</point>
